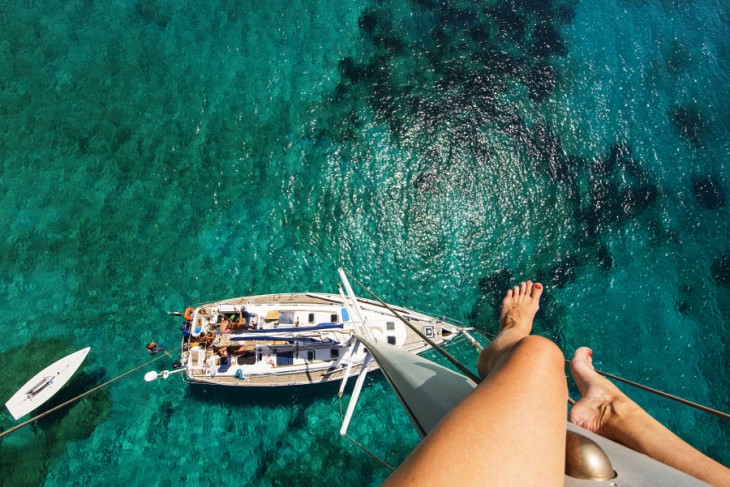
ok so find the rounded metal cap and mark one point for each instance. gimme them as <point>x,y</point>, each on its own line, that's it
<point>585,460</point>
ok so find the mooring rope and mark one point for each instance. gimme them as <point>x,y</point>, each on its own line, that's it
<point>74,399</point>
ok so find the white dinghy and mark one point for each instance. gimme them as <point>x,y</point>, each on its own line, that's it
<point>45,384</point>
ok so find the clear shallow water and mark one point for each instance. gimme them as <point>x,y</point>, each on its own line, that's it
<point>157,154</point>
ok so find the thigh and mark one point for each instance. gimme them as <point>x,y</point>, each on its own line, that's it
<point>509,431</point>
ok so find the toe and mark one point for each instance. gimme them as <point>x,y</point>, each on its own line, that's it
<point>583,353</point>
<point>581,368</point>
<point>523,288</point>
<point>536,291</point>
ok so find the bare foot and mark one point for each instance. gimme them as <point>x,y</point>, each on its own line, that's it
<point>605,410</point>
<point>600,398</point>
<point>519,306</point>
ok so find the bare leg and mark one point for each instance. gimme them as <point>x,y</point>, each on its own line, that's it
<point>511,429</point>
<point>605,410</point>
<point>515,322</point>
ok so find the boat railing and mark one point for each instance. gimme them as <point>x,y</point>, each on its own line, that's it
<point>444,318</point>
<point>407,312</point>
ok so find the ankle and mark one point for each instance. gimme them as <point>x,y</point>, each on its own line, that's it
<point>618,413</point>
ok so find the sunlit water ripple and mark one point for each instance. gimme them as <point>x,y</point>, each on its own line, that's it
<point>157,154</point>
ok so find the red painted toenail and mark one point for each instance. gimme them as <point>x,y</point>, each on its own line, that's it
<point>538,285</point>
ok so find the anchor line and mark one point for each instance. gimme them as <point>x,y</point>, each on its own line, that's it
<point>80,396</point>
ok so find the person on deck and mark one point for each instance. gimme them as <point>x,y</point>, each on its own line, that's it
<point>511,429</point>
<point>206,339</point>
<point>247,317</point>
<point>225,359</point>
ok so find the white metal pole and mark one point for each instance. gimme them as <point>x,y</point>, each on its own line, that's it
<point>355,304</point>
<point>355,394</point>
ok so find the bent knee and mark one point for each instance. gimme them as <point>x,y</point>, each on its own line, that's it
<point>542,351</point>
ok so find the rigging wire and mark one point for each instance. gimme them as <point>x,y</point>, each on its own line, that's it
<point>663,394</point>
<point>465,370</point>
<point>643,387</point>
<point>84,394</point>
<point>362,447</point>
<point>386,464</point>
<point>461,367</point>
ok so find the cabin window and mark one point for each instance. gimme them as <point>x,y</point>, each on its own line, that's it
<point>310,355</point>
<point>311,317</point>
<point>335,353</point>
<point>391,340</point>
<point>286,317</point>
<point>334,318</point>
<point>390,325</point>
<point>259,359</point>
<point>285,358</point>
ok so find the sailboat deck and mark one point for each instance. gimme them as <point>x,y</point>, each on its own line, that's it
<point>295,339</point>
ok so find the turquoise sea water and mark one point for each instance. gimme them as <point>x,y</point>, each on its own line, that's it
<point>161,153</point>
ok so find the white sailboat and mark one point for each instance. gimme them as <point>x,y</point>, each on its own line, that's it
<point>295,339</point>
<point>42,386</point>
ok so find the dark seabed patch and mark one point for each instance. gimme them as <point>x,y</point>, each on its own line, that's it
<point>708,191</point>
<point>562,272</point>
<point>49,435</point>
<point>690,123</point>
<point>157,154</point>
<point>721,269</point>
<point>491,288</point>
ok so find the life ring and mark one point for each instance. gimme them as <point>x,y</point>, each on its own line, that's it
<point>188,316</point>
